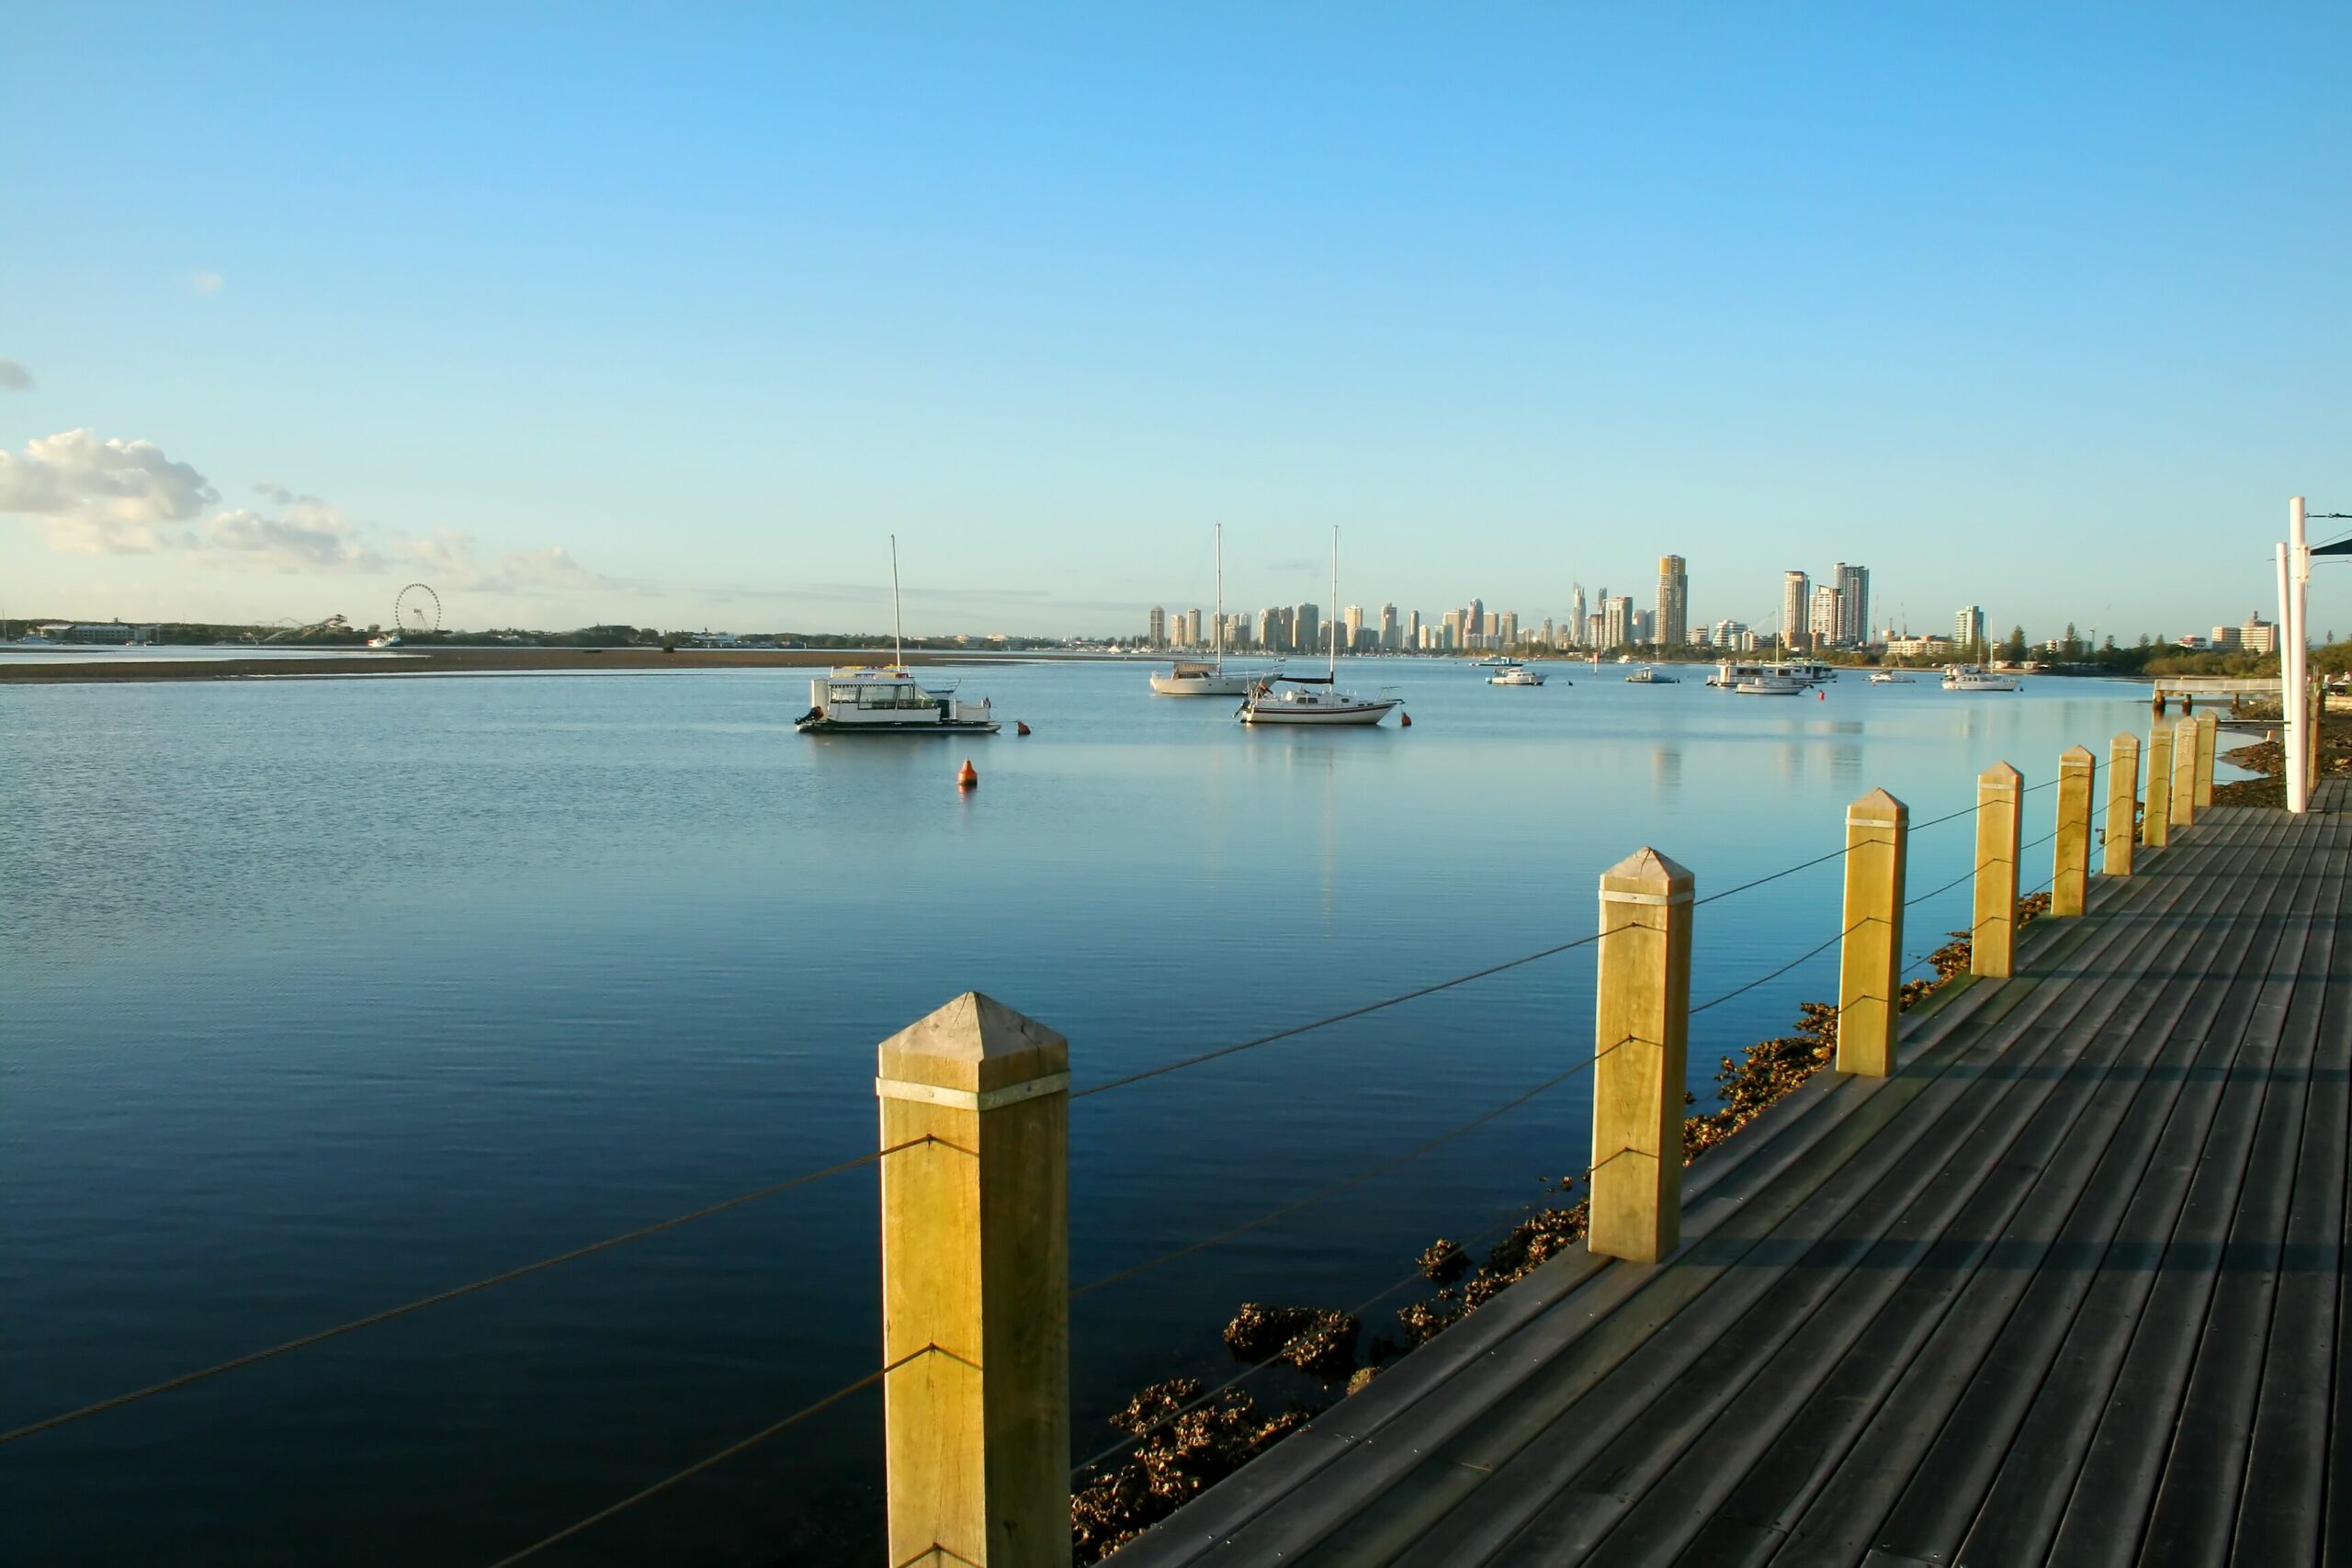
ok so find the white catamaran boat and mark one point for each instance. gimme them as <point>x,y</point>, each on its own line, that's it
<point>1313,699</point>
<point>1770,685</point>
<point>1646,676</point>
<point>1973,678</point>
<point>1202,677</point>
<point>889,701</point>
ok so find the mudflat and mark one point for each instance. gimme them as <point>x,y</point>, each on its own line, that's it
<point>447,661</point>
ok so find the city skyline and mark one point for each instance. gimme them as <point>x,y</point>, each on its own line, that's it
<point>680,335</point>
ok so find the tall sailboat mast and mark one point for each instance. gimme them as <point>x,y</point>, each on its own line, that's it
<point>898,621</point>
<point>1220,598</point>
<point>1332,668</point>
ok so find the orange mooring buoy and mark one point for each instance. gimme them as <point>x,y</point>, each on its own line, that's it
<point>1018,727</point>
<point>968,777</point>
<point>1405,721</point>
<point>1823,696</point>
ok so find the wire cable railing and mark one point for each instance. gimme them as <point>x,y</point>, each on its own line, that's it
<point>504,1276</point>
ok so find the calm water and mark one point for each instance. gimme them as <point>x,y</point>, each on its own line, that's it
<point>321,995</point>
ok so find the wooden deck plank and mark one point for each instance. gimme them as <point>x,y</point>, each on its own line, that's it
<point>2195,1514</point>
<point>2114,1491</point>
<point>1946,1397</point>
<point>2282,1507</point>
<point>2002,1237</point>
<point>2026,1507</point>
<point>1770,1439</point>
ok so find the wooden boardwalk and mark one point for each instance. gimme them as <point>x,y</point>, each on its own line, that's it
<point>2067,1288</point>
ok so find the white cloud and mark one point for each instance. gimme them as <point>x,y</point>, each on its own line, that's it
<point>15,377</point>
<point>553,569</point>
<point>94,497</point>
<point>307,536</point>
<point>206,282</point>
<point>447,556</point>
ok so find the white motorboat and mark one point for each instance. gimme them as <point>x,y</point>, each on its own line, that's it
<point>1892,678</point>
<point>1770,686</point>
<point>1646,676</point>
<point>1313,699</point>
<point>1974,678</point>
<point>1493,662</point>
<point>889,701</point>
<point>390,639</point>
<point>1516,675</point>
<point>1205,677</point>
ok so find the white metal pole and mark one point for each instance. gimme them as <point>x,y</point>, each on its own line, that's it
<point>2290,728</point>
<point>2296,652</point>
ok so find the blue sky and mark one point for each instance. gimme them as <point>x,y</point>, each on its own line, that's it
<point>672,315</point>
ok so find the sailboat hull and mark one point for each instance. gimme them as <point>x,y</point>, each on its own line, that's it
<point>1285,713</point>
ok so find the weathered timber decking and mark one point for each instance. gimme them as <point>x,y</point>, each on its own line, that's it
<point>2067,1288</point>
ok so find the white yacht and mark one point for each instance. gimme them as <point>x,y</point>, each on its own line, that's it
<point>1205,677</point>
<point>1516,675</point>
<point>889,701</point>
<point>1974,678</point>
<point>1769,686</point>
<point>1648,676</point>
<point>1892,678</point>
<point>1493,662</point>
<point>1313,699</point>
<point>1804,673</point>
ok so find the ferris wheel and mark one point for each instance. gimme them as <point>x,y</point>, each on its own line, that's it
<point>416,610</point>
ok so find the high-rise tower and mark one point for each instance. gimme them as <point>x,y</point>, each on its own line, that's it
<point>1673,628</point>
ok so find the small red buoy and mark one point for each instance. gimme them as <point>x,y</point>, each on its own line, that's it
<point>1818,693</point>
<point>1018,727</point>
<point>969,777</point>
<point>1405,721</point>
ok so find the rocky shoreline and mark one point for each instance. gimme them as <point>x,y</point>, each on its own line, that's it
<point>1182,1452</point>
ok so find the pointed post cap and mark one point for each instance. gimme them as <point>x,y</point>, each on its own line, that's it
<point>2000,775</point>
<point>1878,806</point>
<point>1645,871</point>
<point>2126,738</point>
<point>2077,757</point>
<point>975,1043</point>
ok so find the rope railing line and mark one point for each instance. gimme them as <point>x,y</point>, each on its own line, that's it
<point>507,1276</point>
<point>729,1451</point>
<point>1356,1181</point>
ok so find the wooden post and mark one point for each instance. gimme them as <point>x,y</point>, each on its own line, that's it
<point>2312,751</point>
<point>2156,821</point>
<point>976,1288</point>
<point>1869,959</point>
<point>2122,804</point>
<point>1642,1017</point>
<point>1993,933</point>
<point>2070,875</point>
<point>2208,730</point>
<point>2184,773</point>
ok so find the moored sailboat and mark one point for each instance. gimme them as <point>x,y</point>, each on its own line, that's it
<point>1313,699</point>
